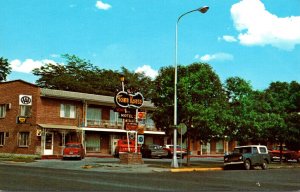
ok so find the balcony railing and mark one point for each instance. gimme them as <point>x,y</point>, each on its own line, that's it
<point>104,124</point>
<point>115,125</point>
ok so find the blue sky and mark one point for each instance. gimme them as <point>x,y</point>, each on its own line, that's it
<point>258,41</point>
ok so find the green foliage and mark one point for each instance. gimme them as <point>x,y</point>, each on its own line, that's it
<point>200,100</point>
<point>208,108</point>
<point>80,75</point>
<point>5,69</point>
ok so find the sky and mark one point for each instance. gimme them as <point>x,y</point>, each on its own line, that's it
<point>257,40</point>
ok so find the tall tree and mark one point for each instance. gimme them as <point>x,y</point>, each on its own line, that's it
<point>5,69</point>
<point>81,76</point>
<point>283,99</point>
<point>201,100</point>
<point>238,92</point>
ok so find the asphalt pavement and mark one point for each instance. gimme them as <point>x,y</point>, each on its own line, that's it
<point>112,165</point>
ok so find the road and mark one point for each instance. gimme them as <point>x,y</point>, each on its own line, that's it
<point>25,178</point>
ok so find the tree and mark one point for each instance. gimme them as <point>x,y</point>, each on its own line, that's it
<point>284,100</point>
<point>238,94</point>
<point>201,101</point>
<point>80,75</point>
<point>5,69</point>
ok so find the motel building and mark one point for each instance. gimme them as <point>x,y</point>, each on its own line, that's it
<point>41,121</point>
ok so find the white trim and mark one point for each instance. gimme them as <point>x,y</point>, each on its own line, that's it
<point>155,132</point>
<point>120,130</point>
<point>51,126</point>
<point>103,129</point>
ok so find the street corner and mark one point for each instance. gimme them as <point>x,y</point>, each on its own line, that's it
<point>177,170</point>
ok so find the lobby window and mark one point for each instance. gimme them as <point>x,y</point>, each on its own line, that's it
<point>2,136</point>
<point>23,139</point>
<point>67,111</point>
<point>2,110</point>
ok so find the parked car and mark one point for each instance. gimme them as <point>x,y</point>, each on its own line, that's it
<point>286,154</point>
<point>122,147</point>
<point>248,157</point>
<point>74,150</point>
<point>179,152</point>
<point>153,150</point>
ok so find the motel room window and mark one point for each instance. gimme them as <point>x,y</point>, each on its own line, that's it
<point>23,139</point>
<point>2,135</point>
<point>94,116</point>
<point>25,110</point>
<point>67,111</point>
<point>2,110</point>
<point>114,117</point>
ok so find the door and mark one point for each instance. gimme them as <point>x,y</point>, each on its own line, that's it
<point>48,144</point>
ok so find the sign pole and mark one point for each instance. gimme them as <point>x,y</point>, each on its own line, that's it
<point>128,141</point>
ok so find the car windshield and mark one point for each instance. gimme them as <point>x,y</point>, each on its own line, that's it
<point>155,147</point>
<point>278,148</point>
<point>73,146</point>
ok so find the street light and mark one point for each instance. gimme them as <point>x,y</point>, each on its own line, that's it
<point>203,9</point>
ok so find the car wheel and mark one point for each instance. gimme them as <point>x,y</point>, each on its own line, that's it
<point>247,164</point>
<point>264,166</point>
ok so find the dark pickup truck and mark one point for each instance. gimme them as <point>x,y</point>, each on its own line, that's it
<point>248,157</point>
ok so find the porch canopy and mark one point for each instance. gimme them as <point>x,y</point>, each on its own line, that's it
<point>63,129</point>
<point>52,126</point>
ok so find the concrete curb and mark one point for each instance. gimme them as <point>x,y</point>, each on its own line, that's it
<point>176,170</point>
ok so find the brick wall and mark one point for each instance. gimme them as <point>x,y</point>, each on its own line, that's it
<point>49,112</point>
<point>9,93</point>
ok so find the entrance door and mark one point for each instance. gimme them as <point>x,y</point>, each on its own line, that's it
<point>48,144</point>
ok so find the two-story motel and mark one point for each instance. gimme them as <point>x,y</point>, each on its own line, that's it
<point>35,120</point>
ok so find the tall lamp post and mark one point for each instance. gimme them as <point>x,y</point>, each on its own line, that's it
<point>174,160</point>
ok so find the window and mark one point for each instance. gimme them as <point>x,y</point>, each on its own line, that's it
<point>255,151</point>
<point>219,147</point>
<point>94,116</point>
<point>2,136</point>
<point>67,111</point>
<point>2,110</point>
<point>25,110</point>
<point>114,117</point>
<point>23,139</point>
<point>263,149</point>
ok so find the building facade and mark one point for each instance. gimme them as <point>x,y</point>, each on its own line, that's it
<point>41,121</point>
<point>35,120</point>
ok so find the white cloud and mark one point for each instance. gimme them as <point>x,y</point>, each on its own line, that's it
<point>54,55</point>
<point>147,70</point>
<point>229,38</point>
<point>257,26</point>
<point>102,6</point>
<point>216,56</point>
<point>28,65</point>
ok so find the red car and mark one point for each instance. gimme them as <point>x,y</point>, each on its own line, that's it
<point>286,154</point>
<point>179,152</point>
<point>73,150</point>
<point>122,147</point>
